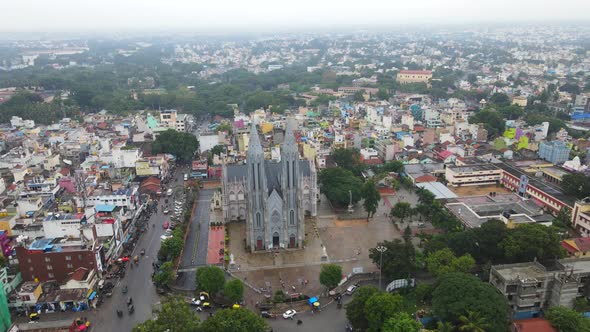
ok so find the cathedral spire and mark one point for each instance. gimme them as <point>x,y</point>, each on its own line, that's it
<point>290,144</point>
<point>254,146</point>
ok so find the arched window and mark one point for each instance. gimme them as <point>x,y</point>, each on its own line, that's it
<point>258,220</point>
<point>276,217</point>
<point>292,217</point>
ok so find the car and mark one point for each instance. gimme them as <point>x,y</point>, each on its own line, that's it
<point>351,289</point>
<point>168,232</point>
<point>166,224</point>
<point>195,301</point>
<point>165,237</point>
<point>172,226</point>
<point>289,314</point>
<point>265,314</point>
<point>185,177</point>
<point>166,211</point>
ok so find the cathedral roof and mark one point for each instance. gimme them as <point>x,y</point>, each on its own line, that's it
<point>273,173</point>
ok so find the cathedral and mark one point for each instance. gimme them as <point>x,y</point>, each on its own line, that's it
<point>271,197</point>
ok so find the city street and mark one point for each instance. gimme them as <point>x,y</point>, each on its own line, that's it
<point>195,248</point>
<point>137,279</point>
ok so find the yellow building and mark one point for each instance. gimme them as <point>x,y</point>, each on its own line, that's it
<point>414,76</point>
<point>520,101</point>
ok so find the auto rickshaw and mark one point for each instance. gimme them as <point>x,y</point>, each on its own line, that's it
<point>136,259</point>
<point>34,317</point>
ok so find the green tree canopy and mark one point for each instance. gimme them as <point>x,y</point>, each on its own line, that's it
<point>355,309</point>
<point>380,307</point>
<point>346,158</point>
<point>175,315</point>
<point>234,320</point>
<point>371,197</point>
<point>336,183</point>
<point>182,145</point>
<point>330,275</point>
<point>500,99</point>
<point>576,184</point>
<point>456,293</point>
<point>165,275</point>
<point>567,320</point>
<point>210,279</point>
<point>529,241</point>
<point>234,290</point>
<point>401,322</point>
<point>401,210</point>
<point>491,120</point>
<point>399,258</point>
<point>444,261</point>
<point>170,248</point>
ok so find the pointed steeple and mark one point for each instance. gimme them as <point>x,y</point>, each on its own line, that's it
<point>290,144</point>
<point>254,146</point>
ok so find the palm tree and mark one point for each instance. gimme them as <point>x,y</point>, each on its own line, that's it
<point>444,327</point>
<point>473,322</point>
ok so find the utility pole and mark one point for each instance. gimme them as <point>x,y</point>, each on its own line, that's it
<point>381,250</point>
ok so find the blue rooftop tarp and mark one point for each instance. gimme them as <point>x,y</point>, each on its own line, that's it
<point>105,208</point>
<point>313,300</point>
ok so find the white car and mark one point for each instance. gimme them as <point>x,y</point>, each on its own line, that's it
<point>165,237</point>
<point>166,211</point>
<point>289,314</point>
<point>194,301</point>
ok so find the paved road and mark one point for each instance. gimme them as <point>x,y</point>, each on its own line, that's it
<point>137,279</point>
<point>195,249</point>
<point>330,319</point>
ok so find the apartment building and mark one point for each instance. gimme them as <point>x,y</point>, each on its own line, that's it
<point>414,76</point>
<point>532,287</point>
<point>556,152</point>
<point>473,175</point>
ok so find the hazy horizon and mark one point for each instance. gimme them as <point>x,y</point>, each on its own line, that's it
<point>226,16</point>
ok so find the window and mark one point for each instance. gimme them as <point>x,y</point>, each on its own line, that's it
<point>51,275</point>
<point>68,258</point>
<point>49,267</point>
<point>29,260</point>
<point>70,266</point>
<point>80,257</point>
<point>292,217</point>
<point>258,220</point>
<point>47,259</point>
<point>31,268</point>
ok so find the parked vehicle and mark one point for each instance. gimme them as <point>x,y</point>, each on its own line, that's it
<point>289,314</point>
<point>186,177</point>
<point>351,289</point>
<point>265,314</point>
<point>166,211</point>
<point>166,224</point>
<point>165,237</point>
<point>169,192</point>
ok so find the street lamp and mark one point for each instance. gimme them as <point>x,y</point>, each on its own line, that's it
<point>381,250</point>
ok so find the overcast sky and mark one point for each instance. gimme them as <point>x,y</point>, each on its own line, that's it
<point>243,15</point>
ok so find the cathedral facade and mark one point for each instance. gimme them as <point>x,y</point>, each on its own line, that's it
<point>271,197</point>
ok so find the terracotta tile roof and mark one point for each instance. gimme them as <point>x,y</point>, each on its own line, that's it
<point>426,178</point>
<point>80,274</point>
<point>533,325</point>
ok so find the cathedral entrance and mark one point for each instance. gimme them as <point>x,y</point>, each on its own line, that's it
<point>275,240</point>
<point>292,241</point>
<point>259,243</point>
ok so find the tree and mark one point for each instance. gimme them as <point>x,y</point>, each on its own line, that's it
<point>337,182</point>
<point>234,290</point>
<point>330,275</point>
<point>371,198</point>
<point>401,322</point>
<point>182,145</point>
<point>444,261</point>
<point>217,150</point>
<point>346,158</point>
<point>472,322</point>
<point>174,315</point>
<point>567,320</point>
<point>380,307</point>
<point>444,327</point>
<point>491,119</point>
<point>392,166</point>
<point>563,218</point>
<point>279,296</point>
<point>359,96</point>
<point>234,320</point>
<point>455,293</point>
<point>400,210</point>
<point>355,309</point>
<point>382,94</point>
<point>170,248</point>
<point>399,259</point>
<point>576,184</point>
<point>165,275</point>
<point>529,241</point>
<point>210,279</point>
<point>500,99</point>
